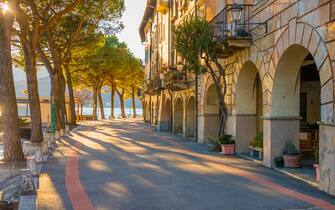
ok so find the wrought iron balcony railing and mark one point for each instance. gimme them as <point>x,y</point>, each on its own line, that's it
<point>231,29</point>
<point>176,80</point>
<point>153,86</point>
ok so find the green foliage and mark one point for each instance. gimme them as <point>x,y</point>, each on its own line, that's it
<point>23,122</point>
<point>289,149</point>
<point>104,61</point>
<point>226,139</point>
<point>223,140</point>
<point>192,39</point>
<point>257,142</point>
<point>215,142</point>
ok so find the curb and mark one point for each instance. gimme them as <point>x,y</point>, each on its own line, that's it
<point>29,202</point>
<point>249,158</point>
<point>311,183</point>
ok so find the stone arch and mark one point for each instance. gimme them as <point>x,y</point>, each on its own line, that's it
<point>281,85</point>
<point>178,115</point>
<point>248,106</point>
<point>207,82</point>
<point>190,117</point>
<point>303,34</point>
<point>166,112</point>
<point>253,55</point>
<point>209,120</point>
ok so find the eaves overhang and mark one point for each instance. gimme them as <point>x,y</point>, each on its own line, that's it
<point>148,13</point>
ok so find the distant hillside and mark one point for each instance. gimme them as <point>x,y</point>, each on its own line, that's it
<point>44,90</point>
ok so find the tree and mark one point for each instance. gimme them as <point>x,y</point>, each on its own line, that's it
<point>10,120</point>
<point>29,33</point>
<point>194,42</point>
<point>82,94</point>
<point>76,27</point>
<point>56,48</point>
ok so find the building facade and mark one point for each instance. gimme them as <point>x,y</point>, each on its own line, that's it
<point>279,76</point>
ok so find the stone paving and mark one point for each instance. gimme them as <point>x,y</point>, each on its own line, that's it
<point>125,164</point>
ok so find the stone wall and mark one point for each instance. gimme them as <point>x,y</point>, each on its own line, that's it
<point>300,26</point>
<point>309,24</point>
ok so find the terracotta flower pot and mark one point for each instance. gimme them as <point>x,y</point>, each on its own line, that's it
<point>317,171</point>
<point>292,161</point>
<point>228,149</point>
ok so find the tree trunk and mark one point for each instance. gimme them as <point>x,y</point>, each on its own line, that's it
<point>133,101</point>
<point>221,92</point>
<point>81,108</point>
<point>95,102</point>
<point>78,109</point>
<point>101,104</point>
<point>12,143</point>
<point>62,98</point>
<point>121,96</point>
<point>57,101</point>
<point>71,96</point>
<point>112,100</point>
<point>34,100</point>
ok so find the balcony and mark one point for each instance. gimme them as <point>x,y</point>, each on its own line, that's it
<point>176,80</point>
<point>231,29</point>
<point>153,87</point>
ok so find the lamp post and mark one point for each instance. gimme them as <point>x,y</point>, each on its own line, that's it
<point>236,12</point>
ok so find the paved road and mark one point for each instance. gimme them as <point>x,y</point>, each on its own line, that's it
<point>128,165</point>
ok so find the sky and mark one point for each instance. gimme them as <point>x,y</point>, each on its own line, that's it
<point>132,19</point>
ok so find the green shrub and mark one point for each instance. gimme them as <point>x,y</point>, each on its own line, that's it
<point>289,149</point>
<point>257,142</point>
<point>226,139</point>
<point>215,142</point>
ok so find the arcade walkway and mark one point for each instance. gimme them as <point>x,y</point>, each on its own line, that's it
<point>127,165</point>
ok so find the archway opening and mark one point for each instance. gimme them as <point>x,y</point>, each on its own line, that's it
<point>145,111</point>
<point>309,108</point>
<point>190,118</point>
<point>165,124</point>
<point>296,101</point>
<point>211,113</point>
<point>178,117</point>
<point>249,111</point>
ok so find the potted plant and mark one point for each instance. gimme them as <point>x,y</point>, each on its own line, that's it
<point>279,162</point>
<point>291,156</point>
<point>227,145</point>
<point>256,146</point>
<point>316,164</point>
<point>216,144</point>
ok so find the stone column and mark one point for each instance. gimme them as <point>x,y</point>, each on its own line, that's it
<point>207,126</point>
<point>245,131</point>
<point>201,126</point>
<point>327,158</point>
<point>277,131</point>
<point>184,118</point>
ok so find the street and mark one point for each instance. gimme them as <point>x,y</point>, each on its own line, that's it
<point>126,164</point>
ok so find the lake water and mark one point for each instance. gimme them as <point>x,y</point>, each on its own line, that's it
<point>117,111</point>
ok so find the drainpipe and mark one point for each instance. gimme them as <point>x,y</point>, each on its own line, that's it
<point>171,111</point>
